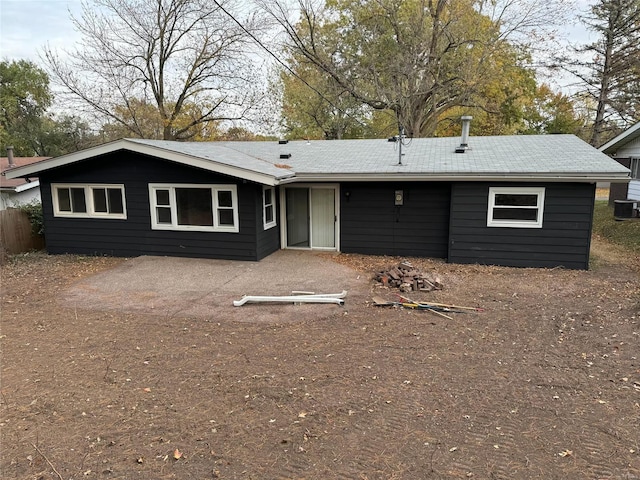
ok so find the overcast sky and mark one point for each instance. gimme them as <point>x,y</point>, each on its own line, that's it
<point>27,25</point>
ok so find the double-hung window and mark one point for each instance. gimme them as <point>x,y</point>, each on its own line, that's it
<point>99,201</point>
<point>268,207</point>
<point>195,207</point>
<point>516,207</point>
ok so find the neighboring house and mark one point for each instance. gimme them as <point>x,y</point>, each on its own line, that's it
<point>625,149</point>
<point>18,191</point>
<point>510,200</point>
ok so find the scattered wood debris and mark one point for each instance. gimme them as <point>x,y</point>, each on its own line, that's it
<point>407,278</point>
<point>440,309</point>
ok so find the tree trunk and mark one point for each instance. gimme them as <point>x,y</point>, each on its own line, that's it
<point>603,95</point>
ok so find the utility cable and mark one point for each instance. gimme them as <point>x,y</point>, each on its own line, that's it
<point>255,39</point>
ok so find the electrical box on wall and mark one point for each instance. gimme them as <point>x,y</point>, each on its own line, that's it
<point>399,197</point>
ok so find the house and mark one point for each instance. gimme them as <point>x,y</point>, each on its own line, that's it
<point>17,191</point>
<point>625,149</point>
<point>522,201</point>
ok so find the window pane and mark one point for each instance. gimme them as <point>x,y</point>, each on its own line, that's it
<point>529,200</point>
<point>64,200</point>
<point>528,214</point>
<point>78,202</point>
<point>100,200</point>
<point>225,217</point>
<point>267,196</point>
<point>162,197</point>
<point>268,213</point>
<point>194,206</point>
<point>115,200</point>
<point>164,214</point>
<point>225,198</point>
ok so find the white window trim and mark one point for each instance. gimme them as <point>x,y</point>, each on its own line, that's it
<point>272,223</point>
<point>174,213</point>
<point>493,191</point>
<point>88,198</point>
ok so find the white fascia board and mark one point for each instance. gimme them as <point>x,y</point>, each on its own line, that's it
<point>547,178</point>
<point>620,139</point>
<point>209,165</point>
<point>27,186</point>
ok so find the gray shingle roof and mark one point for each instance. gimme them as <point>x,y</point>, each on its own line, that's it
<point>525,157</point>
<point>504,155</point>
<point>222,152</point>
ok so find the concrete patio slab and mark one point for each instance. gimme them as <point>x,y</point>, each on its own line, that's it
<point>205,288</point>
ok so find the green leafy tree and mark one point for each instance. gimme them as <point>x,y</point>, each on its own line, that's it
<point>62,134</point>
<point>24,98</point>
<point>552,112</point>
<point>25,120</point>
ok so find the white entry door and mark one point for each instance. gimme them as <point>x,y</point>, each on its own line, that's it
<point>311,217</point>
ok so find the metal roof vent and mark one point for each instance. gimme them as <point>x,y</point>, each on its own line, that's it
<point>10,157</point>
<point>464,140</point>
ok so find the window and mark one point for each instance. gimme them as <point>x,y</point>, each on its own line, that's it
<point>100,201</point>
<point>268,207</point>
<point>515,207</point>
<point>203,208</point>
<point>635,168</point>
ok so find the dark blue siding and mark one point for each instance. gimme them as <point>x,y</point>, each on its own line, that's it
<point>134,236</point>
<point>563,240</point>
<point>268,241</point>
<point>372,224</point>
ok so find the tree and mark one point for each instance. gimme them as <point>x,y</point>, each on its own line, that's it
<point>552,112</point>
<point>24,99</point>
<point>609,68</point>
<point>59,135</point>
<point>168,54</point>
<point>328,112</point>
<point>416,58</point>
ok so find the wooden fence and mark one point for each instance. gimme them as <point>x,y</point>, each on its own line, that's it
<point>15,232</point>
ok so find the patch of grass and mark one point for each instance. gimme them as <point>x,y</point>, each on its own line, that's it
<point>623,233</point>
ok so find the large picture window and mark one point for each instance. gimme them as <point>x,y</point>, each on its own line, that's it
<point>100,201</point>
<point>268,207</point>
<point>205,208</point>
<point>516,207</point>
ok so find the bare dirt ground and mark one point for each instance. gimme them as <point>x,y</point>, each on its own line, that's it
<point>544,384</point>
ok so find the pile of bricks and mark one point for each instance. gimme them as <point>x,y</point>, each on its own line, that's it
<point>407,278</point>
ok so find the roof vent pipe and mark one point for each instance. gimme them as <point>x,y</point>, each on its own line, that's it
<point>10,157</point>
<point>464,141</point>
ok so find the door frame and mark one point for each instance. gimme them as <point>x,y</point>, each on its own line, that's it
<point>283,214</point>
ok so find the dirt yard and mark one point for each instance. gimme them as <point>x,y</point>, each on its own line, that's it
<point>544,384</point>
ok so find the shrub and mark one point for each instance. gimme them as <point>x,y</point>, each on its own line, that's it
<point>34,212</point>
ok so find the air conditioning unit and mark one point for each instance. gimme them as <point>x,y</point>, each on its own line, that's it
<point>625,209</point>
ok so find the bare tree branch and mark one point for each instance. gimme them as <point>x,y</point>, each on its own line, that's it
<point>173,54</point>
